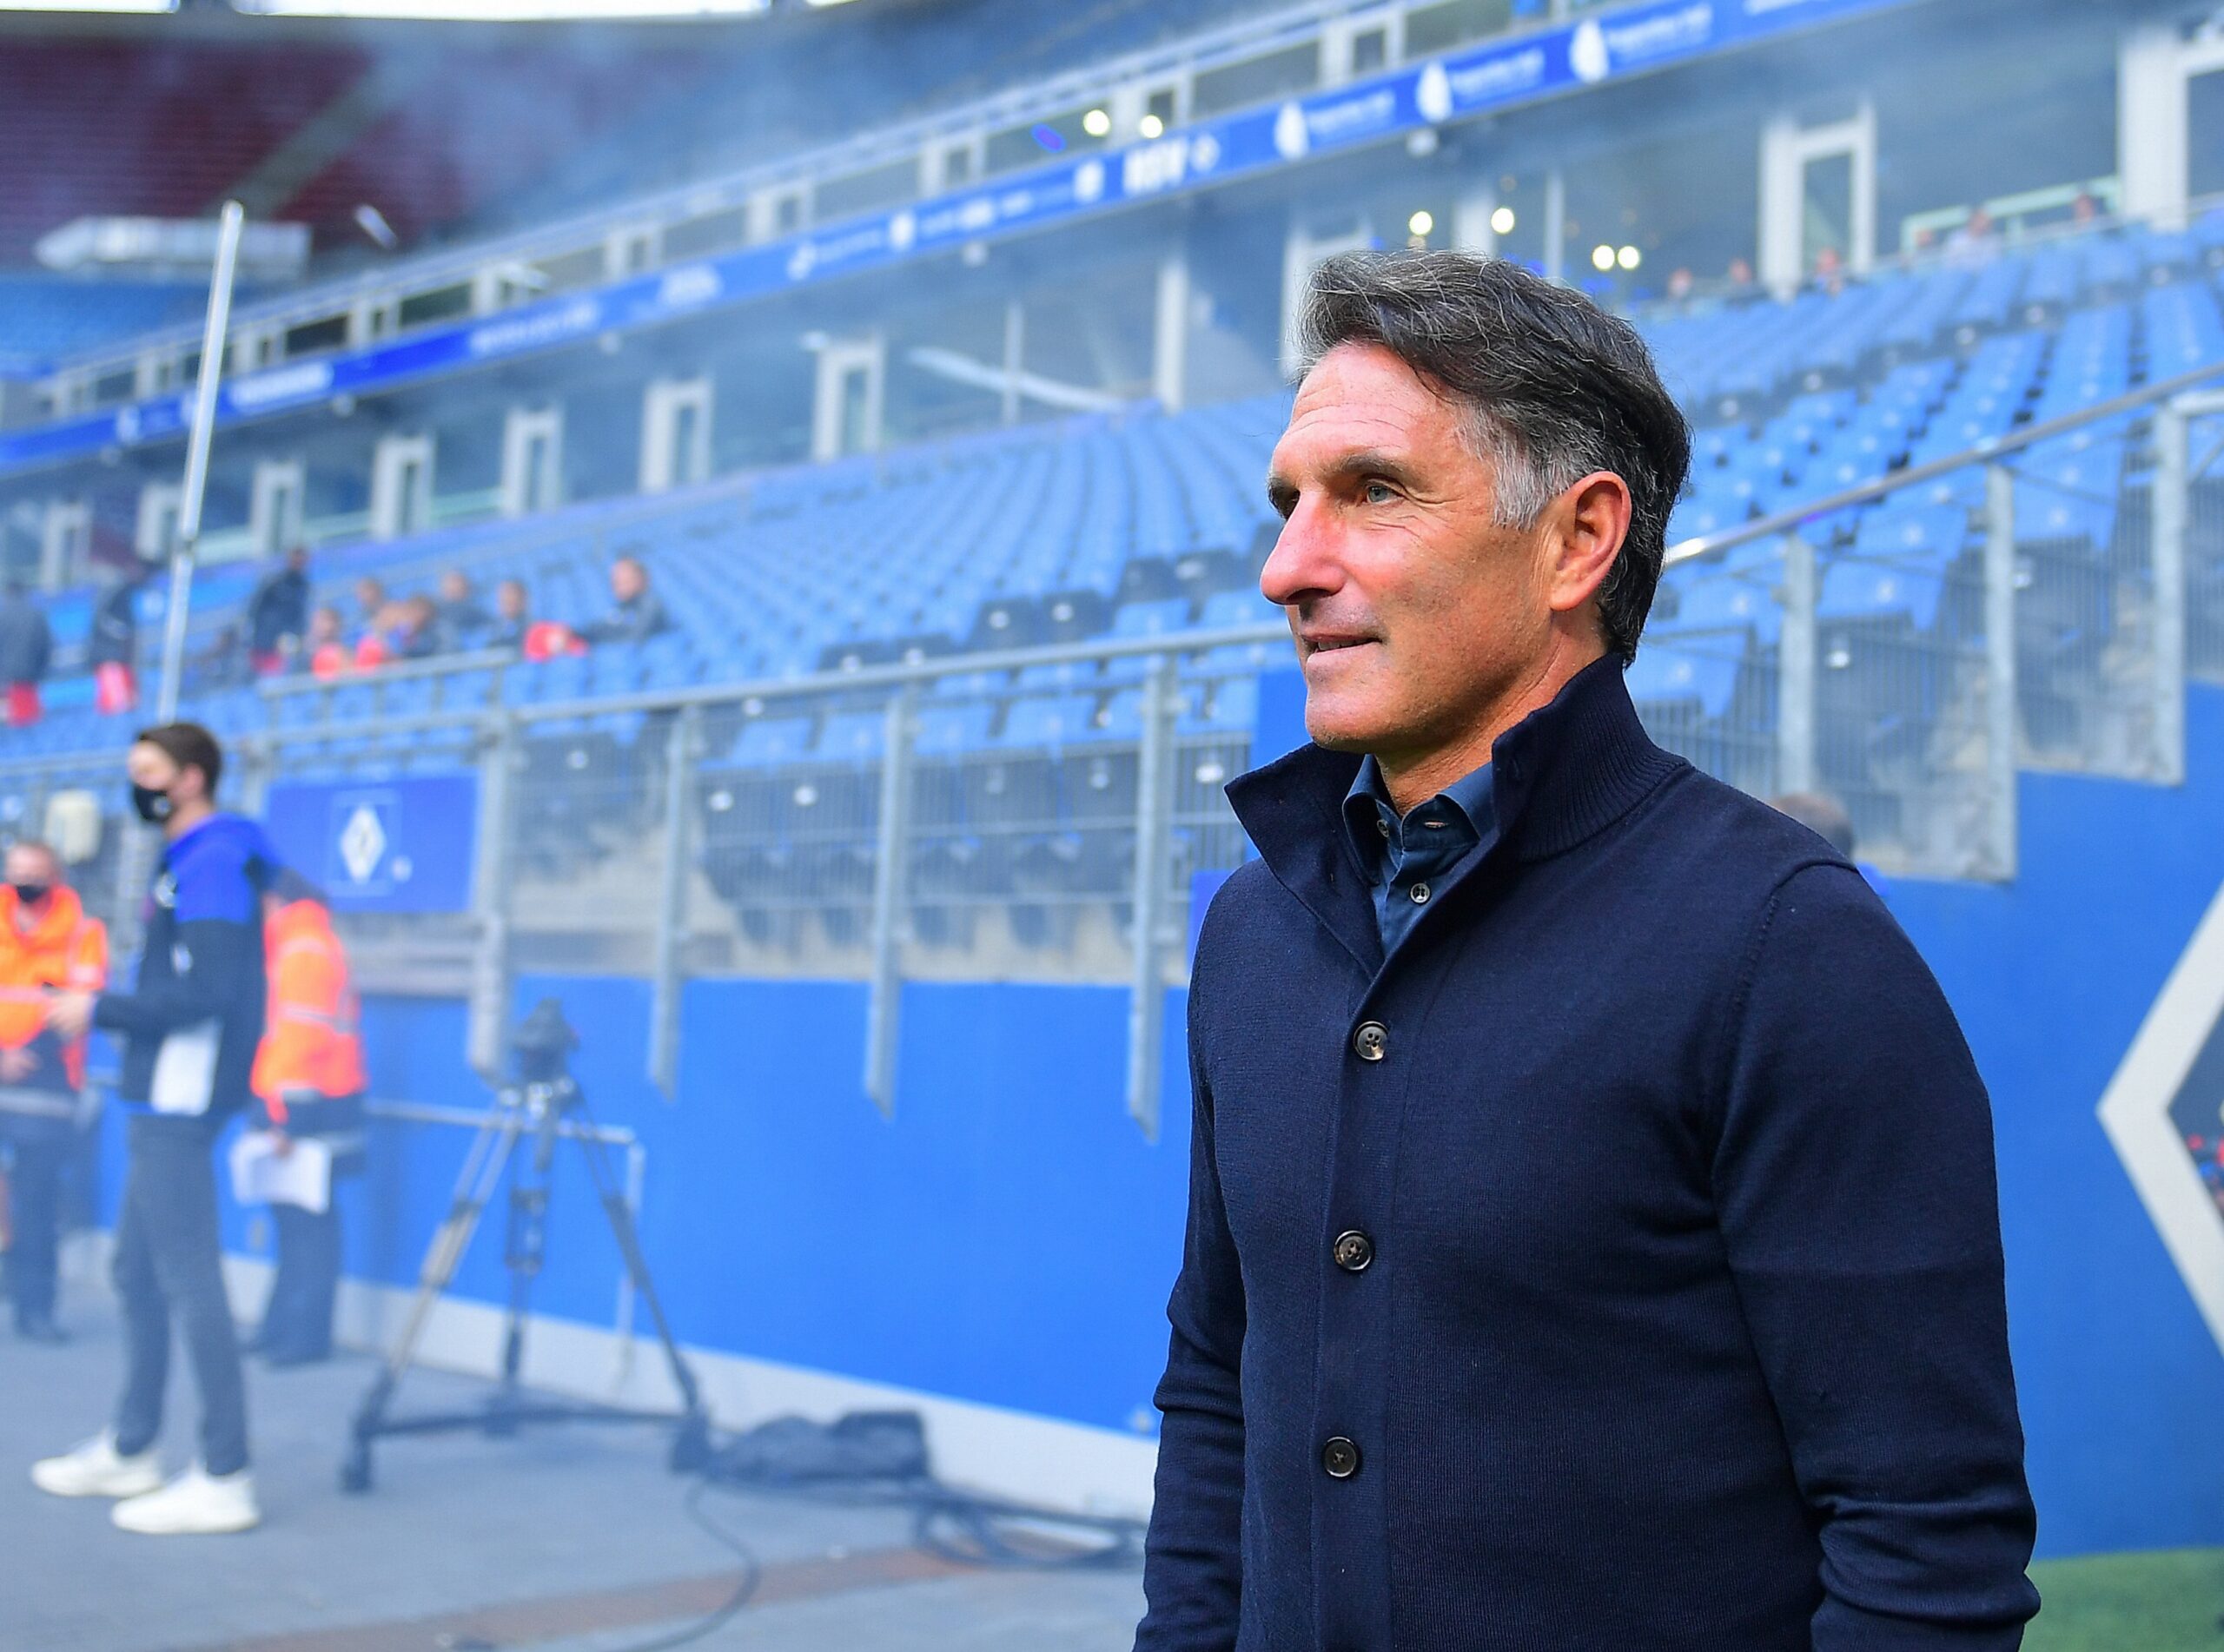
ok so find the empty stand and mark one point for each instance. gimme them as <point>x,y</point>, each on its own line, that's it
<point>1024,786</point>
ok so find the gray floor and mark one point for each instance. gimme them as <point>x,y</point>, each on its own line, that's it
<point>570,1540</point>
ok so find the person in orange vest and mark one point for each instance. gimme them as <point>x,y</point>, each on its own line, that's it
<point>308,1083</point>
<point>47,944</point>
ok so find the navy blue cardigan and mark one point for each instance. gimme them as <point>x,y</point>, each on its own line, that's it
<point>1676,1320</point>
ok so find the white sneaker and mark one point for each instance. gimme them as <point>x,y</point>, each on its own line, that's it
<point>95,1469</point>
<point>197,1502</point>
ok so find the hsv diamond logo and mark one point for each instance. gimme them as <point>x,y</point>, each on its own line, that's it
<point>405,846</point>
<point>2164,1114</point>
<point>363,844</point>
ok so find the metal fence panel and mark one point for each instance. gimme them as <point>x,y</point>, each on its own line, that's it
<point>2204,554</point>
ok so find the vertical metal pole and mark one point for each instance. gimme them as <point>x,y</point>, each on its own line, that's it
<point>254,789</point>
<point>2168,507</point>
<point>1154,836</point>
<point>1998,857</point>
<point>197,459</point>
<point>892,842</point>
<point>672,904</point>
<point>1015,357</point>
<point>135,868</point>
<point>1170,354</point>
<point>490,897</point>
<point>1555,224</point>
<point>1795,670</point>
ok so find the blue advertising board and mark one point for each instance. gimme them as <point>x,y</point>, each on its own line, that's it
<point>401,845</point>
<point>1498,76</point>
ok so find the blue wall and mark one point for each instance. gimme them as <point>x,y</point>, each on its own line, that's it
<point>1008,1237</point>
<point>2121,1384</point>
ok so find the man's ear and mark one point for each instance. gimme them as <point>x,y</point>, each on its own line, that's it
<point>1587,526</point>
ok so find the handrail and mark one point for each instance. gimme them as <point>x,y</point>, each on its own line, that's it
<point>1784,522</point>
<point>814,685</point>
<point>771,687</point>
<point>400,670</point>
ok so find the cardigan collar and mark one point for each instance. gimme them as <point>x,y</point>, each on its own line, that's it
<point>1565,772</point>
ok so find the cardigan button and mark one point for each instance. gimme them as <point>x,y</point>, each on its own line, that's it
<point>1354,1251</point>
<point>1368,1043</point>
<point>1339,1459</point>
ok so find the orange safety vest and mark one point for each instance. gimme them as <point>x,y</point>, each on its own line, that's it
<point>63,949</point>
<point>313,1040</point>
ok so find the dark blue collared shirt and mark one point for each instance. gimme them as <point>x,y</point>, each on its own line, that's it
<point>1409,859</point>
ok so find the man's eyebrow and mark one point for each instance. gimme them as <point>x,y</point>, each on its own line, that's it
<point>1361,461</point>
<point>1367,461</point>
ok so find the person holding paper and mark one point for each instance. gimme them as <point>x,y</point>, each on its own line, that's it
<point>308,1089</point>
<point>188,1028</point>
<point>47,944</point>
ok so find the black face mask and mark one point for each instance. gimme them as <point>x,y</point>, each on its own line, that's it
<point>31,894</point>
<point>153,807</point>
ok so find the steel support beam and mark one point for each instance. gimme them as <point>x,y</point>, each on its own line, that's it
<point>680,742</point>
<point>1154,842</point>
<point>1998,858</point>
<point>892,839</point>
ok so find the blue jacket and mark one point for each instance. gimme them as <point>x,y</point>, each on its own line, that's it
<point>200,965</point>
<point>1616,1269</point>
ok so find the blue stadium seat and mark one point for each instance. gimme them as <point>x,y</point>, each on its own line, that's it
<point>1067,720</point>
<point>1662,674</point>
<point>1725,603</point>
<point>767,741</point>
<point>1858,591</point>
<point>1918,536</point>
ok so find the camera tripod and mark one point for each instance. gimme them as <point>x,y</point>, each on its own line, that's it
<point>549,1108</point>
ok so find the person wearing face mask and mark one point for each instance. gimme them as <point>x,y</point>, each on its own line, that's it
<point>187,1031</point>
<point>309,1086</point>
<point>47,944</point>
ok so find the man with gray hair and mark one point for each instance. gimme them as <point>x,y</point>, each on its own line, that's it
<point>1592,1241</point>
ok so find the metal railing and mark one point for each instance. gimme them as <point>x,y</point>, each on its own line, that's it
<point>1042,812</point>
<point>2055,648</point>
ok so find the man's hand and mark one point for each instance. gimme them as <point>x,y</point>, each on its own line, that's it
<point>70,1014</point>
<point>15,1066</point>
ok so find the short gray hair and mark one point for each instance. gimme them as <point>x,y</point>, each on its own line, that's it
<point>1556,389</point>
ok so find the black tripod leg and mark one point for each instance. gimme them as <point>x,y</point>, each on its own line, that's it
<point>690,1447</point>
<point>524,1248</point>
<point>475,1184</point>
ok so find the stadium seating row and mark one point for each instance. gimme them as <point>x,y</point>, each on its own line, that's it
<point>1144,525</point>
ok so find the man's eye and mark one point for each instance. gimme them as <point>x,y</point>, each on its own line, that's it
<point>1378,494</point>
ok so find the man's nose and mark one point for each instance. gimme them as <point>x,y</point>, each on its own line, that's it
<point>1303,560</point>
